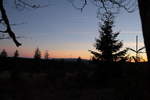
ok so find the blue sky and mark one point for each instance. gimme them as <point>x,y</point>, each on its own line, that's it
<point>65,31</point>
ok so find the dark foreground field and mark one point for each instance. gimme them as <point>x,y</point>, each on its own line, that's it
<point>29,79</point>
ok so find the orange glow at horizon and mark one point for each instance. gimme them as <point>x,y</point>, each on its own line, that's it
<point>70,54</point>
<point>142,56</point>
<point>28,53</point>
<point>60,54</point>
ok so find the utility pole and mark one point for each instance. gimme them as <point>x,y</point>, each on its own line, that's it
<point>136,46</point>
<point>137,50</point>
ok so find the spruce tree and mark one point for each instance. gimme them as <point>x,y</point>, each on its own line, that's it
<point>107,45</point>
<point>46,56</point>
<point>16,54</point>
<point>37,54</point>
<point>3,53</point>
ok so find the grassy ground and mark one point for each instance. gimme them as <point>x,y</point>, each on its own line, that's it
<point>28,79</point>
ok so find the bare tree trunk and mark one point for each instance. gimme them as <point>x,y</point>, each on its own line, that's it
<point>144,8</point>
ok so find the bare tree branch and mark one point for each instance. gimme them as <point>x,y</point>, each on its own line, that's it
<point>107,5</point>
<point>4,36</point>
<point>6,21</point>
<point>79,8</point>
<point>85,3</point>
<point>14,24</point>
<point>26,3</point>
<point>1,31</point>
<point>122,6</point>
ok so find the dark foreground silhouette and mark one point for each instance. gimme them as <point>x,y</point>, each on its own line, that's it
<point>30,79</point>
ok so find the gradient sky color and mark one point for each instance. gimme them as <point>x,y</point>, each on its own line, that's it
<point>65,31</point>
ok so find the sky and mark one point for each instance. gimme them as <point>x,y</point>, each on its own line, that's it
<point>65,31</point>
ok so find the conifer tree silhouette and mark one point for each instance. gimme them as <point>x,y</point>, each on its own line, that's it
<point>3,53</point>
<point>46,56</point>
<point>37,54</point>
<point>16,54</point>
<point>107,45</point>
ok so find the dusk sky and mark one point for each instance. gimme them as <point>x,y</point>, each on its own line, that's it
<point>65,31</point>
